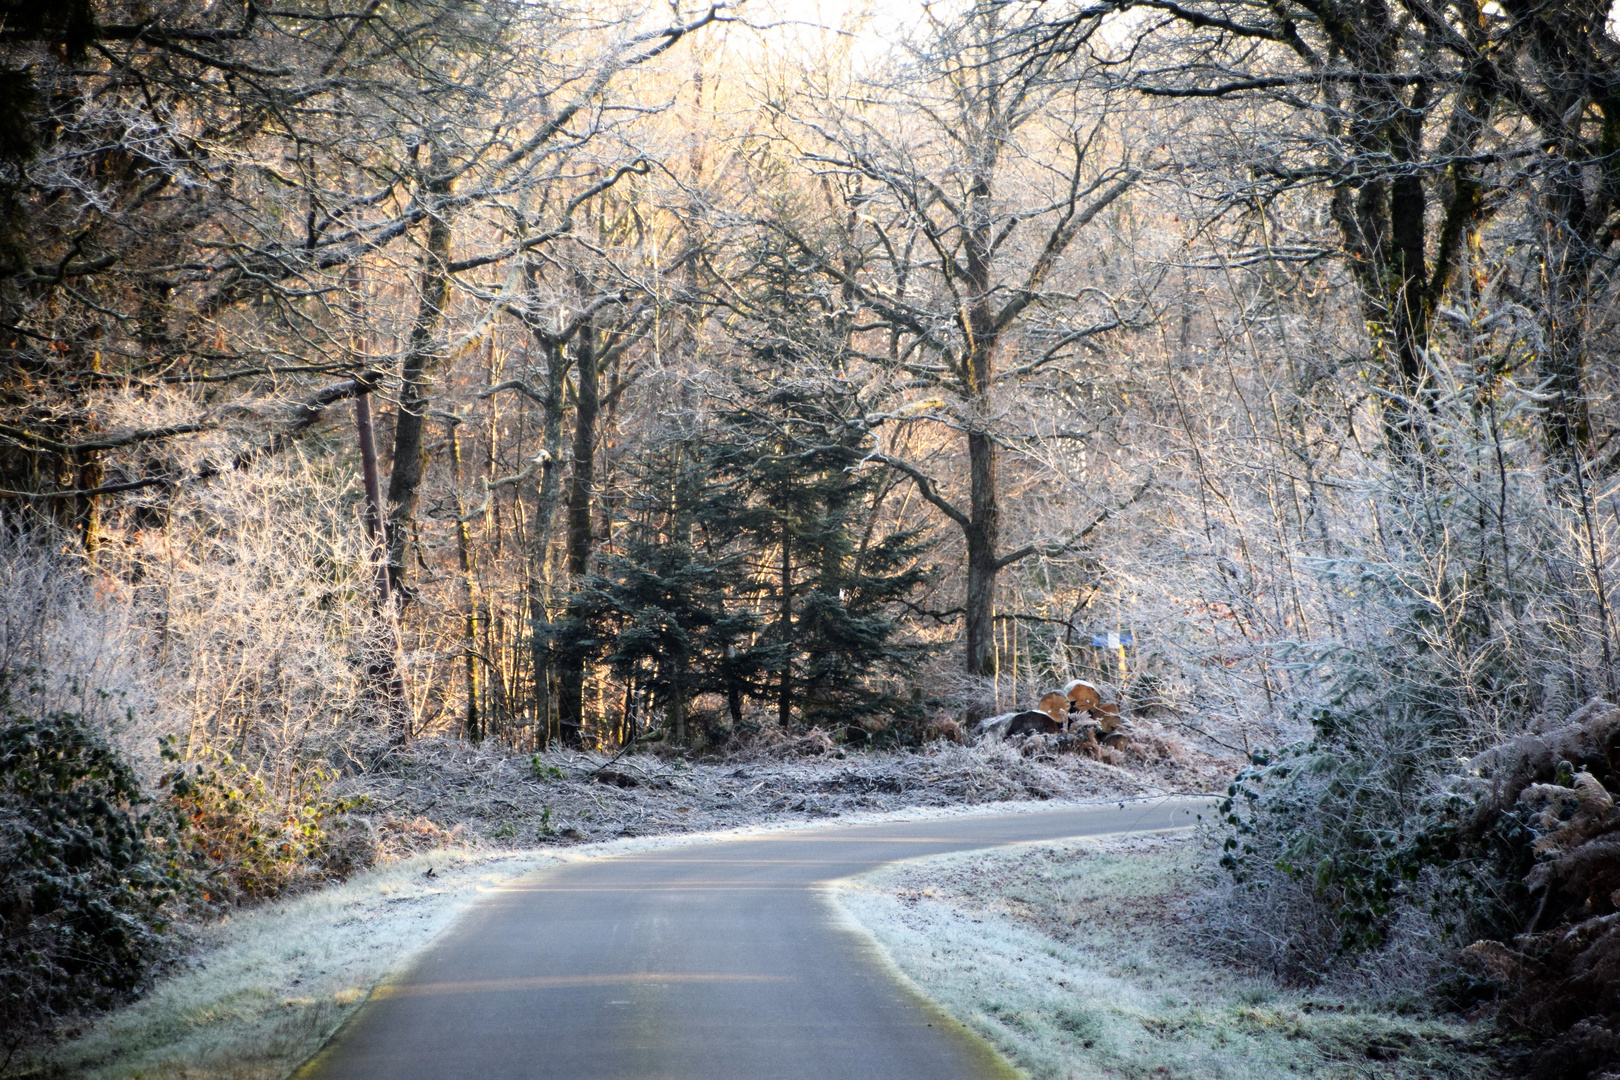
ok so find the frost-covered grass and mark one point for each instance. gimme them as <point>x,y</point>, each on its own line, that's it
<point>274,982</point>
<point>1076,960</point>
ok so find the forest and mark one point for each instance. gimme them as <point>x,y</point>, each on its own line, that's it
<point>544,376</point>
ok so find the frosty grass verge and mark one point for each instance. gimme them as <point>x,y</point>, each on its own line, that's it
<point>273,983</point>
<point>1072,958</point>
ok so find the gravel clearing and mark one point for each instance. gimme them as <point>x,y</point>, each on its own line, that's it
<point>444,790</point>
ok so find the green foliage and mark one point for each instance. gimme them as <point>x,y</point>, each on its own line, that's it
<point>1326,820</point>
<point>247,840</point>
<point>751,559</point>
<point>84,872</point>
<point>541,771</point>
<point>660,614</point>
<point>664,612</point>
<point>784,483</point>
<point>1363,847</point>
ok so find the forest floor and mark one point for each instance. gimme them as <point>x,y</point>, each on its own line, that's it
<point>1082,960</point>
<point>446,791</point>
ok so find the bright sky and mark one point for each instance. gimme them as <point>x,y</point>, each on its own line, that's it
<point>885,19</point>
<point>874,23</point>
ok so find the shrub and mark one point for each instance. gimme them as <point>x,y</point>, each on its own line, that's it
<point>84,874</point>
<point>1333,854</point>
<point>247,841</point>
<point>1349,854</point>
<point>1518,853</point>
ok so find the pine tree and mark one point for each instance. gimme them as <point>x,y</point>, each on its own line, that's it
<point>750,570</point>
<point>831,585</point>
<point>665,613</point>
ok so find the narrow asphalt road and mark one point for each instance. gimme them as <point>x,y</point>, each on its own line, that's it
<point>716,961</point>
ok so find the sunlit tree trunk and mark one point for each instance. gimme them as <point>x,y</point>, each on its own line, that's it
<point>541,585</point>
<point>422,357</point>
<point>581,493</point>
<point>470,726</point>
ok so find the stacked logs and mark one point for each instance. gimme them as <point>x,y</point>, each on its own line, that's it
<point>1084,722</point>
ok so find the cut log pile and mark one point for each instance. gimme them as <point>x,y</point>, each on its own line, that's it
<point>1074,720</point>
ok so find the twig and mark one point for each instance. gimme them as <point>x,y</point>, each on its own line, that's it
<point>622,751</point>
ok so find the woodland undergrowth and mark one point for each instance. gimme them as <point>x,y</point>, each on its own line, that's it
<point>1445,829</point>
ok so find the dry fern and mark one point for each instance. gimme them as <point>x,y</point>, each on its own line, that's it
<point>1563,970</point>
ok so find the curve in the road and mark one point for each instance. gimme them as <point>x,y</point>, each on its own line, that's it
<point>710,961</point>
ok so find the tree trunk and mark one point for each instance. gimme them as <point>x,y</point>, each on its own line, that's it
<point>677,699</point>
<point>1384,228</point>
<point>608,426</point>
<point>784,696</point>
<point>89,506</point>
<point>366,437</point>
<point>630,707</point>
<point>982,534</point>
<point>1408,209</point>
<point>384,673</point>
<point>545,511</point>
<point>373,483</point>
<point>469,614</point>
<point>681,510</point>
<point>733,691</point>
<point>983,528</point>
<point>1408,282</point>
<point>1566,423</point>
<point>581,490</point>
<point>1568,257</point>
<point>421,357</point>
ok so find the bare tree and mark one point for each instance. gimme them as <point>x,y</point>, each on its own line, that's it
<point>1421,125</point>
<point>958,188</point>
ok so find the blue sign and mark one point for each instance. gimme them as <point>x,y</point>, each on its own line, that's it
<point>1112,641</point>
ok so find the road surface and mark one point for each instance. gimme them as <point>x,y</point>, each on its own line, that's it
<point>715,961</point>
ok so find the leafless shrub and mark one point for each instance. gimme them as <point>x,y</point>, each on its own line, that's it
<point>235,618</point>
<point>72,641</point>
<point>258,592</point>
